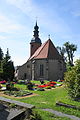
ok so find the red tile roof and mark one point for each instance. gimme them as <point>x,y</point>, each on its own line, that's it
<point>46,50</point>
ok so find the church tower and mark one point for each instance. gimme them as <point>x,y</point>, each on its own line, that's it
<point>35,42</point>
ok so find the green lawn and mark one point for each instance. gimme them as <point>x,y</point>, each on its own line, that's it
<point>49,116</point>
<point>48,99</point>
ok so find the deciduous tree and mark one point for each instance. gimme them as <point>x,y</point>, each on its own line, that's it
<point>70,49</point>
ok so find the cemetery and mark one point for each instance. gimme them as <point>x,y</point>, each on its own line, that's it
<point>42,97</point>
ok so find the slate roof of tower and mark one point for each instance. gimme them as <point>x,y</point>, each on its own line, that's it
<point>46,50</point>
<point>36,38</point>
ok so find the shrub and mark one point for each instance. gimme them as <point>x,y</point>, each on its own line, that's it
<point>12,105</point>
<point>30,86</point>
<point>35,116</point>
<point>20,93</point>
<point>9,85</point>
<point>72,80</point>
<point>41,89</point>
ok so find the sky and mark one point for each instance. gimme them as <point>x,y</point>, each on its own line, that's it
<point>59,18</point>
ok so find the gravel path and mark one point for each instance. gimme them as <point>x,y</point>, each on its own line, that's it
<point>62,114</point>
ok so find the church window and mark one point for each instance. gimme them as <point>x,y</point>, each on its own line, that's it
<point>25,75</point>
<point>28,66</point>
<point>41,70</point>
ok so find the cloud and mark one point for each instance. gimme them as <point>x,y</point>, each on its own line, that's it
<point>2,37</point>
<point>51,22</point>
<point>18,50</point>
<point>8,26</point>
<point>25,5</point>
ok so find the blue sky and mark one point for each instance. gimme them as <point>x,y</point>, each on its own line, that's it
<point>59,18</point>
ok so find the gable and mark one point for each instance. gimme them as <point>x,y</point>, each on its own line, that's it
<point>46,50</point>
<point>52,51</point>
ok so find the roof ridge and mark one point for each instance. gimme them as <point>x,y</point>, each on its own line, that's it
<point>42,48</point>
<point>34,55</point>
<point>48,48</point>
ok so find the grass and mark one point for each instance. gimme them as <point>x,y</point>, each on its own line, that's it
<point>49,116</point>
<point>21,86</point>
<point>48,99</point>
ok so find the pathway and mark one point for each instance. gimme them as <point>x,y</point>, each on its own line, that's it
<point>32,106</point>
<point>62,114</point>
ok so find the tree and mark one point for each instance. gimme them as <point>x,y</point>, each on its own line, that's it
<point>8,67</point>
<point>1,54</point>
<point>72,80</point>
<point>1,63</point>
<point>70,49</point>
<point>62,51</point>
<point>7,56</point>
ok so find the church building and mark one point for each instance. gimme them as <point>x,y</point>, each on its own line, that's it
<point>44,62</point>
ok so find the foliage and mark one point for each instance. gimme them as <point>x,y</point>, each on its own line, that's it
<point>19,93</point>
<point>72,80</point>
<point>9,86</point>
<point>1,54</point>
<point>70,49</point>
<point>1,68</point>
<point>6,66</point>
<point>49,116</point>
<point>30,86</point>
<point>48,99</point>
<point>1,63</point>
<point>62,51</point>
<point>12,105</point>
<point>41,89</point>
<point>67,49</point>
<point>8,70</point>
<point>35,116</point>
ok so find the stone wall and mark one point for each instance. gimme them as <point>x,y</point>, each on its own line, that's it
<point>37,69</point>
<point>24,71</point>
<point>53,69</point>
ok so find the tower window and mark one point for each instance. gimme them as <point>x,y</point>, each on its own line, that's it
<point>42,70</point>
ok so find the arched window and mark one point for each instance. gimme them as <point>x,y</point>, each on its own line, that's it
<point>41,70</point>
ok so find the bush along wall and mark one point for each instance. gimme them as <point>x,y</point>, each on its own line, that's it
<point>72,81</point>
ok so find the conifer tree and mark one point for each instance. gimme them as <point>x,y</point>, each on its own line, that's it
<point>8,67</point>
<point>1,54</point>
<point>1,63</point>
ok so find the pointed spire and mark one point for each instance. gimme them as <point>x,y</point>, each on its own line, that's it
<point>36,38</point>
<point>36,22</point>
<point>36,32</point>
